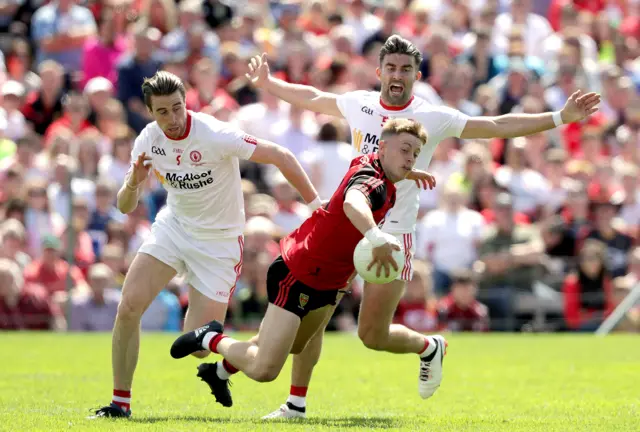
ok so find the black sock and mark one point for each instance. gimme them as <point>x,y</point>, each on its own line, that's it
<point>296,408</point>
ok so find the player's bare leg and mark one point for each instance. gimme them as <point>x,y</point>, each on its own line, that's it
<point>379,303</point>
<point>145,279</point>
<point>202,310</point>
<point>261,363</point>
<point>376,332</point>
<point>304,361</point>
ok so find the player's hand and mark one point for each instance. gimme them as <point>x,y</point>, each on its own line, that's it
<point>423,179</point>
<point>580,106</point>
<point>383,258</point>
<point>258,70</point>
<point>139,171</point>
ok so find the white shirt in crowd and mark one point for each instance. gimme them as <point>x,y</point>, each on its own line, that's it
<point>536,30</point>
<point>450,239</point>
<point>201,174</point>
<point>528,188</point>
<point>327,163</point>
<point>366,116</point>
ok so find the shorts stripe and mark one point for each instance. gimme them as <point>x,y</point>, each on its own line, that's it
<point>285,294</point>
<point>408,243</point>
<point>238,267</point>
<point>281,291</point>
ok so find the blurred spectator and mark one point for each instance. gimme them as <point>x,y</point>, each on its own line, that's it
<point>51,270</point>
<point>460,310</point>
<point>510,255</point>
<point>25,306</point>
<point>331,146</point>
<point>560,244</point>
<point>65,185</point>
<point>206,92</point>
<point>452,224</point>
<point>60,29</point>
<point>113,257</point>
<point>259,234</point>
<point>588,291</point>
<point>114,166</point>
<point>101,52</point>
<point>104,212</point>
<point>132,69</point>
<point>12,98</point>
<point>39,220</point>
<point>535,28</point>
<point>527,186</point>
<point>291,213</point>
<point>74,117</point>
<point>95,307</point>
<point>13,242</point>
<point>618,244</point>
<point>45,105</point>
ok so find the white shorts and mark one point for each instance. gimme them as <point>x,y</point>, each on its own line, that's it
<point>407,241</point>
<point>212,266</point>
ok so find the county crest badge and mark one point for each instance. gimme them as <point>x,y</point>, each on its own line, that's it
<point>304,299</point>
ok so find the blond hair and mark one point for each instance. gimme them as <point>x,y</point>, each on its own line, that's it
<point>399,126</point>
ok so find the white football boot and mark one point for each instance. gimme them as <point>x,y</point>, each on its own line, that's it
<point>284,412</point>
<point>431,368</point>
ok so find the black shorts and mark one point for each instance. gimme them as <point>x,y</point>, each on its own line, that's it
<point>290,294</point>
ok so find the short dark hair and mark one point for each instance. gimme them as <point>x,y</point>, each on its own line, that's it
<point>163,83</point>
<point>399,45</point>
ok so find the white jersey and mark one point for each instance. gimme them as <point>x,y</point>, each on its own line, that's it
<point>201,174</point>
<point>366,117</point>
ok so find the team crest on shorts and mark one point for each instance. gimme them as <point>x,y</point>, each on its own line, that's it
<point>304,299</point>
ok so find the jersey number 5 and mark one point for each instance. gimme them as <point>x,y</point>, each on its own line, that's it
<point>178,159</point>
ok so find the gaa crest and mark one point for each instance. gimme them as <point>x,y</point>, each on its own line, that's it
<point>304,299</point>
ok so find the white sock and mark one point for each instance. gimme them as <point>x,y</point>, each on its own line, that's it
<point>207,340</point>
<point>433,345</point>
<point>222,372</point>
<point>299,401</point>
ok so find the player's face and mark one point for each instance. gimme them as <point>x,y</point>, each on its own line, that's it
<point>397,73</point>
<point>171,113</point>
<point>398,155</point>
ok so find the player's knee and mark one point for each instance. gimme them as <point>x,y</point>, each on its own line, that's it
<point>129,310</point>
<point>266,373</point>
<point>371,338</point>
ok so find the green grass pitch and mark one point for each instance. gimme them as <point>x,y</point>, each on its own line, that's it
<point>48,382</point>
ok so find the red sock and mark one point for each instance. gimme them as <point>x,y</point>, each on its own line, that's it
<point>424,348</point>
<point>298,391</point>
<point>231,369</point>
<point>213,345</point>
<point>122,398</point>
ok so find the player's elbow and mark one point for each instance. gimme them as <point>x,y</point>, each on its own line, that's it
<point>284,158</point>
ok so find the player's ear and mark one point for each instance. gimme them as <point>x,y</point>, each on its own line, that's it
<point>418,75</point>
<point>378,72</point>
<point>382,144</point>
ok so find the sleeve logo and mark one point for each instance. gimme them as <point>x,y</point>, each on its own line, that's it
<point>250,139</point>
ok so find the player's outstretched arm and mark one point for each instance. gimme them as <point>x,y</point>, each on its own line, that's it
<point>129,193</point>
<point>303,96</point>
<point>578,107</point>
<point>269,153</point>
<point>357,208</point>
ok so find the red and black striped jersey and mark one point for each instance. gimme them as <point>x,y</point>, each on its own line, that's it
<point>320,253</point>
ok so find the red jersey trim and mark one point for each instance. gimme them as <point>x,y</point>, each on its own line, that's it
<point>187,130</point>
<point>396,108</point>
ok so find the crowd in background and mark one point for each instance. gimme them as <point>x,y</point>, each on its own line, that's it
<point>536,233</point>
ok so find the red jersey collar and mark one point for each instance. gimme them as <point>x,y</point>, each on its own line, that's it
<point>186,130</point>
<point>396,108</point>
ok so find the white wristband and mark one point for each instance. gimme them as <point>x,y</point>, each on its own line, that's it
<point>557,118</point>
<point>376,237</point>
<point>315,204</point>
